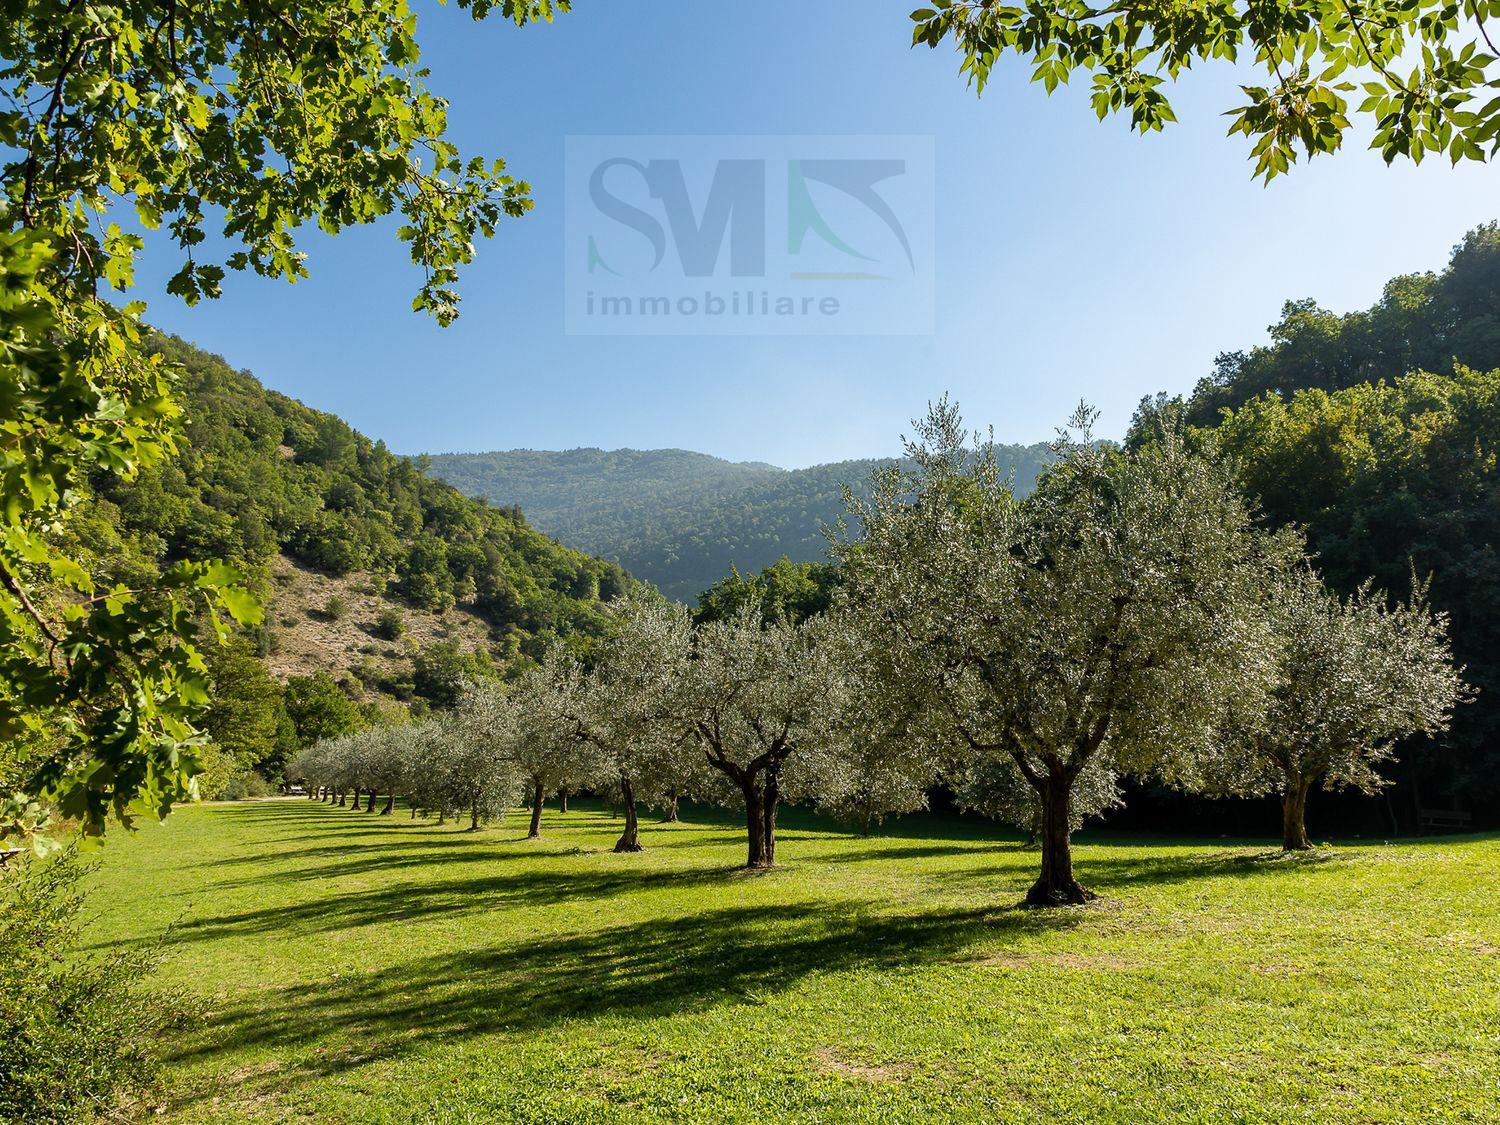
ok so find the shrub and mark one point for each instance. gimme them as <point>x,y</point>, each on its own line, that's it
<point>390,625</point>
<point>246,786</point>
<point>336,609</point>
<point>77,1033</point>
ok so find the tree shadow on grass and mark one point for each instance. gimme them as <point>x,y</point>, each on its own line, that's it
<point>638,971</point>
<point>1133,871</point>
<point>1110,874</point>
<point>406,902</point>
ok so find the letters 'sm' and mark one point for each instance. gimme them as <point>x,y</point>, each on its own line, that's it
<point>736,207</point>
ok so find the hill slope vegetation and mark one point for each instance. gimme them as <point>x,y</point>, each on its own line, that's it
<point>382,584</point>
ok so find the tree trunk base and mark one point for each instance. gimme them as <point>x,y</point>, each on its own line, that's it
<point>629,846</point>
<point>1072,893</point>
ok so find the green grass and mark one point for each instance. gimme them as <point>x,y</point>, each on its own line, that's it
<point>359,968</point>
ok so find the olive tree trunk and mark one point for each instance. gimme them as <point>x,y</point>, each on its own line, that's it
<point>1294,814</point>
<point>390,805</point>
<point>671,816</point>
<point>760,819</point>
<point>1056,885</point>
<point>630,839</point>
<point>755,826</point>
<point>562,800</point>
<point>537,795</point>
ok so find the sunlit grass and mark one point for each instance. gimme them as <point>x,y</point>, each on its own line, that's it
<point>363,968</point>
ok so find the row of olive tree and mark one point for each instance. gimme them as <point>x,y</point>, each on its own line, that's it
<point>1127,618</point>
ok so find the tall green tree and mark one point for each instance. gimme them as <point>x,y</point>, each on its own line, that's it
<point>319,709</point>
<point>1422,72</point>
<point>169,116</point>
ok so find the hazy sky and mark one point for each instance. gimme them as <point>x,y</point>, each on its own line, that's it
<point>1073,260</point>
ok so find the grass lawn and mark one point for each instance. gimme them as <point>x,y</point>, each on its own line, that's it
<point>360,968</point>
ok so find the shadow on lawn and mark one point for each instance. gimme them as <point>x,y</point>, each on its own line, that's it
<point>643,970</point>
<point>340,909</point>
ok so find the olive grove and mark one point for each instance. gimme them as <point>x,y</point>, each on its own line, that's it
<point>1128,618</point>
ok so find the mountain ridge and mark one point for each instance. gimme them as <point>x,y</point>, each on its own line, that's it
<point>679,518</point>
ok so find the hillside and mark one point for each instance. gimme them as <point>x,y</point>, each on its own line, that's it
<point>381,584</point>
<point>674,518</point>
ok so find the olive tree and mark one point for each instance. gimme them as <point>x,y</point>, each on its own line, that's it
<point>629,708</point>
<point>761,700</point>
<point>544,746</point>
<point>885,754</point>
<point>388,752</point>
<point>1105,619</point>
<point>472,753</point>
<point>1353,676</point>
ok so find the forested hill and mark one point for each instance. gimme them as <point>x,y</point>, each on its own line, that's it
<point>1422,322</point>
<point>384,584</point>
<point>675,518</point>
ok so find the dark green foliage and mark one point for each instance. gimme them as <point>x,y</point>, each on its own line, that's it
<point>1389,479</point>
<point>1421,322</point>
<point>1389,473</point>
<point>442,670</point>
<point>784,591</point>
<point>76,1032</point>
<point>318,708</point>
<point>677,519</point>
<point>245,712</point>
<point>390,625</point>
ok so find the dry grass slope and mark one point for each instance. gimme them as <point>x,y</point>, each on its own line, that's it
<point>307,640</point>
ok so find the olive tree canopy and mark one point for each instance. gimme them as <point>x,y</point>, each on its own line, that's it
<point>1352,677</point>
<point>1105,621</point>
<point>761,700</point>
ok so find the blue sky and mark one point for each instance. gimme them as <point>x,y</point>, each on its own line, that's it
<point>1073,260</point>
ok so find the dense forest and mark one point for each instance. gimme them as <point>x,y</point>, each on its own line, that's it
<point>1378,432</point>
<point>384,587</point>
<point>680,520</point>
